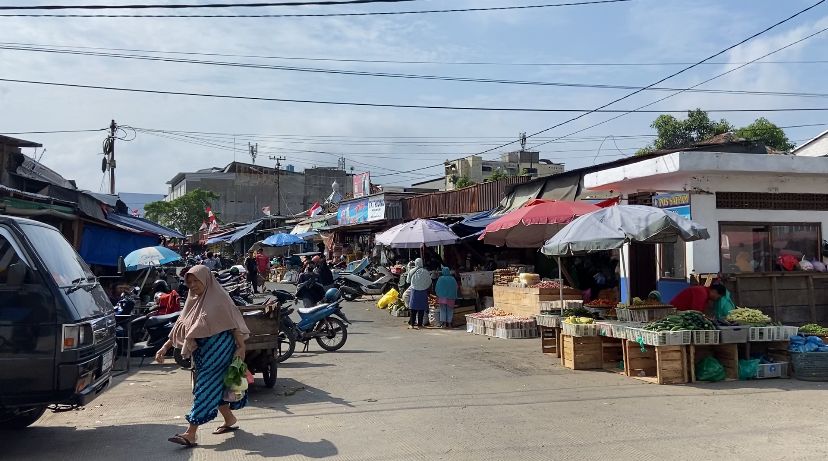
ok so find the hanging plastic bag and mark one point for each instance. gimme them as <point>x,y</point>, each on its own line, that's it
<point>748,369</point>
<point>388,298</point>
<point>710,369</point>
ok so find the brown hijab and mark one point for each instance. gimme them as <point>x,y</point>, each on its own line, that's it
<point>206,315</point>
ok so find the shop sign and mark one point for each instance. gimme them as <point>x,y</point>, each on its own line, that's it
<point>362,184</point>
<point>677,202</point>
<point>363,210</point>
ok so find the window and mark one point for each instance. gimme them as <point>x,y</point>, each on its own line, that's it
<point>23,299</point>
<point>674,260</point>
<point>748,247</point>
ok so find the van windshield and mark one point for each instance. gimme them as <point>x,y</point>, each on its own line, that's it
<point>63,262</point>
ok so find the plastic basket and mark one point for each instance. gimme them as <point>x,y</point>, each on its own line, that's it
<point>660,338</point>
<point>546,320</point>
<point>784,333</point>
<point>569,329</point>
<point>650,315</point>
<point>772,370</point>
<point>733,335</point>
<point>762,334</point>
<point>706,336</point>
<point>810,366</point>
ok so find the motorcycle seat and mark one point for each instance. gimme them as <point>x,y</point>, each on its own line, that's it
<point>312,310</point>
<point>161,319</point>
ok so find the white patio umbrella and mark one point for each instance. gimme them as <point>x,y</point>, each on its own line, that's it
<point>417,233</point>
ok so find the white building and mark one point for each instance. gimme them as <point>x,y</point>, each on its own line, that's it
<point>817,147</point>
<point>517,163</point>
<point>755,206</point>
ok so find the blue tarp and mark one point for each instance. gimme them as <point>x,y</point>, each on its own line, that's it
<point>143,225</point>
<point>283,240</point>
<point>473,225</point>
<point>103,246</point>
<point>237,234</point>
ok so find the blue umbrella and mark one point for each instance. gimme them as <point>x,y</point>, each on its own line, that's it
<point>282,240</point>
<point>150,257</point>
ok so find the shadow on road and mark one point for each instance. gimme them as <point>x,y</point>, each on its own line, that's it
<point>289,364</point>
<point>289,392</point>
<point>275,446</point>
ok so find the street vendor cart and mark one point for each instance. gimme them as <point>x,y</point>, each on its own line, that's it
<point>262,346</point>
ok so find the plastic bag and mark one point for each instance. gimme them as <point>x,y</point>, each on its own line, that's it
<point>406,297</point>
<point>748,369</point>
<point>388,298</point>
<point>250,378</point>
<point>235,376</point>
<point>710,369</point>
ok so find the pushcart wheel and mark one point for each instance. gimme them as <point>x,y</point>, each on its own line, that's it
<point>269,373</point>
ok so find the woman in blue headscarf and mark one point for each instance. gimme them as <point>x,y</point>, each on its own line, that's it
<point>446,290</point>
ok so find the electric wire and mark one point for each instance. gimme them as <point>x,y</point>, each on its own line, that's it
<point>182,6</point>
<point>317,15</point>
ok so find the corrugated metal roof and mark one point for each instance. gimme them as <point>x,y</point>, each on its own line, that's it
<point>472,199</point>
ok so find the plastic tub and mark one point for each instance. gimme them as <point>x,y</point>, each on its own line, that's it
<point>733,335</point>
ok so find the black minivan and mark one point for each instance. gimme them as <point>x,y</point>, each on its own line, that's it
<point>57,326</point>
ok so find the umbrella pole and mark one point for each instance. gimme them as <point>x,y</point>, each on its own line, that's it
<point>143,282</point>
<point>625,273</point>
<point>560,284</point>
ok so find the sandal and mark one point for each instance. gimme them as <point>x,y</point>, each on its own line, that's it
<point>225,429</point>
<point>179,439</point>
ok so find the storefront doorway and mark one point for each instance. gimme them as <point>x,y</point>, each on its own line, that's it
<point>643,277</point>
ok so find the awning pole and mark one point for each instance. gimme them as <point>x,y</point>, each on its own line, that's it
<point>560,284</point>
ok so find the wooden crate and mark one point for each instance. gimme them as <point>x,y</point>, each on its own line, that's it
<point>549,340</point>
<point>612,354</point>
<point>526,301</point>
<point>656,364</point>
<point>582,353</point>
<point>726,354</point>
<point>460,314</point>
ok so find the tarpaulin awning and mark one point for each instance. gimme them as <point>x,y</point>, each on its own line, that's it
<point>143,225</point>
<point>474,224</point>
<point>103,246</point>
<point>237,234</point>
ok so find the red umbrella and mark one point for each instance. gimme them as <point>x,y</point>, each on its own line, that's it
<point>534,223</point>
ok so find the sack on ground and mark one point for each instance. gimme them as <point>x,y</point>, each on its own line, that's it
<point>710,369</point>
<point>388,298</point>
<point>748,369</point>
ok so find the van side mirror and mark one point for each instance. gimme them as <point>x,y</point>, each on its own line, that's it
<point>121,265</point>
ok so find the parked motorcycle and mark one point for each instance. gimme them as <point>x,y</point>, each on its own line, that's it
<point>148,333</point>
<point>365,280</point>
<point>326,323</point>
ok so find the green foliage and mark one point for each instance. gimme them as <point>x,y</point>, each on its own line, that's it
<point>463,181</point>
<point>497,175</point>
<point>766,132</point>
<point>674,133</point>
<point>184,214</point>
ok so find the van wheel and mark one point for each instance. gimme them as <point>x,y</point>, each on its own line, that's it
<point>22,418</point>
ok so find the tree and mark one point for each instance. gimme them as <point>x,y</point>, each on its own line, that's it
<point>497,175</point>
<point>697,127</point>
<point>184,214</point>
<point>462,182</point>
<point>766,132</point>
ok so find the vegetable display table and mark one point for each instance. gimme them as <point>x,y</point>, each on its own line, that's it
<point>527,301</point>
<point>582,352</point>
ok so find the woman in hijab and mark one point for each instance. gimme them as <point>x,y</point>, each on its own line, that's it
<point>212,331</point>
<point>446,290</point>
<point>420,281</point>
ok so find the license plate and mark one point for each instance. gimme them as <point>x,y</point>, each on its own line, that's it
<point>106,361</point>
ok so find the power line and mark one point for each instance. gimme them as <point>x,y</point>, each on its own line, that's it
<point>404,76</point>
<point>55,132</point>
<point>414,62</point>
<point>404,106</point>
<point>685,69</point>
<point>316,15</point>
<point>181,6</point>
<point>807,37</point>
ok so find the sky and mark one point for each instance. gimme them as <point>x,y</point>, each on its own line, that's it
<point>389,142</point>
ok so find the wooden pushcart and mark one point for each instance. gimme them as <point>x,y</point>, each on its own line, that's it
<point>262,346</point>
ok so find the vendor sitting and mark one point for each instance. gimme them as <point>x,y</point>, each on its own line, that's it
<point>714,300</point>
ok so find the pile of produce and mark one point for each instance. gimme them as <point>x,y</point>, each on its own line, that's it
<point>638,302</point>
<point>747,316</point>
<point>687,320</point>
<point>579,311</point>
<point>491,312</point>
<point>548,284</point>
<point>813,329</point>
<point>573,320</point>
<point>603,303</point>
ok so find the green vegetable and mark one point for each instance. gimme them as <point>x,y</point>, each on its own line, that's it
<point>813,329</point>
<point>687,320</point>
<point>747,316</point>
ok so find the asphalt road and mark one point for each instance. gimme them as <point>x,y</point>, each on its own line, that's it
<point>398,394</point>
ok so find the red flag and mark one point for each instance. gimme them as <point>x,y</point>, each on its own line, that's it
<point>315,209</point>
<point>203,226</point>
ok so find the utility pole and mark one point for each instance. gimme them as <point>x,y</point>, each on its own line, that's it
<point>254,151</point>
<point>109,155</point>
<point>278,191</point>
